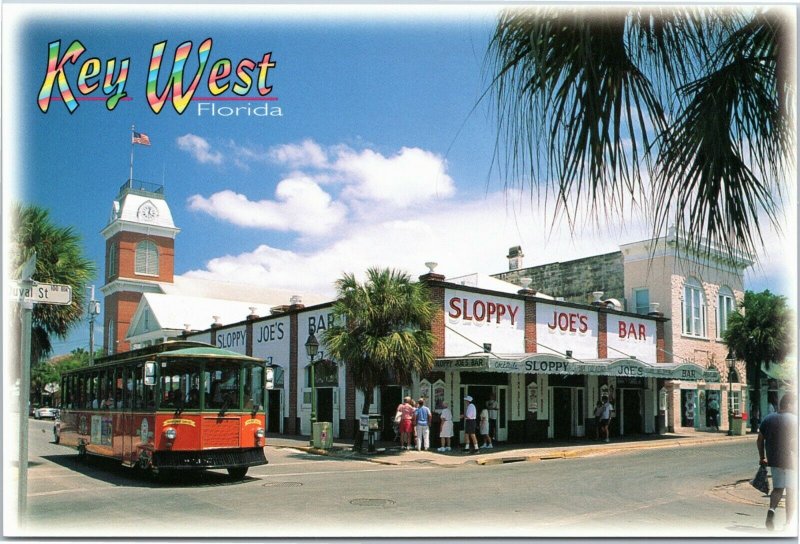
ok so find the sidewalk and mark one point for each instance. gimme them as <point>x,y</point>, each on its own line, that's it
<point>389,453</point>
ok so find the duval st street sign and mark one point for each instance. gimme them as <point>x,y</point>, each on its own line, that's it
<point>41,293</point>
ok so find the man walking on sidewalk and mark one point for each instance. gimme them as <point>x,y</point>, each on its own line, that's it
<point>776,443</point>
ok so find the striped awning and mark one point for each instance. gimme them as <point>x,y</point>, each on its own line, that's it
<point>546,363</point>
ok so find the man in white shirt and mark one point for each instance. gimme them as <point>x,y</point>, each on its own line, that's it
<point>469,416</point>
<point>605,418</point>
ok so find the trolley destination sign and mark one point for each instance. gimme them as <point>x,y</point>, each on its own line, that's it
<point>41,293</point>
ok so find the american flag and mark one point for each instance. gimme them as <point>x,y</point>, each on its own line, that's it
<point>140,138</point>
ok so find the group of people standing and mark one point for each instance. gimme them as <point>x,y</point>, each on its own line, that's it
<point>416,422</point>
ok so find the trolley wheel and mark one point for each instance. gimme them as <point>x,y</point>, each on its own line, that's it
<point>237,473</point>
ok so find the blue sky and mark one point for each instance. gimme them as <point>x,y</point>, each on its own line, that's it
<point>382,156</point>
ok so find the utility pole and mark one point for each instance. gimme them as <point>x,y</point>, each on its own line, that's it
<point>94,310</point>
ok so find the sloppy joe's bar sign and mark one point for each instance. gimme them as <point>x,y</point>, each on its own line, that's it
<point>544,365</point>
<point>632,336</point>
<point>560,328</point>
<point>474,319</point>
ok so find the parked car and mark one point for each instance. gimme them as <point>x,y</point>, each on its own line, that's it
<point>46,412</point>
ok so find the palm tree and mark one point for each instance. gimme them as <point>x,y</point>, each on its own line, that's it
<point>59,259</point>
<point>759,334</point>
<point>684,113</point>
<point>382,330</point>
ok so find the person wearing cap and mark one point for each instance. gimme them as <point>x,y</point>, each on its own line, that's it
<point>422,423</point>
<point>469,416</point>
<point>406,411</point>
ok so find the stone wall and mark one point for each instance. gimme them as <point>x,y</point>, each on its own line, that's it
<point>575,280</point>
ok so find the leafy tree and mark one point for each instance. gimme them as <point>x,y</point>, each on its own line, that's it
<point>685,112</point>
<point>59,259</point>
<point>382,331</point>
<point>760,333</point>
<point>47,372</point>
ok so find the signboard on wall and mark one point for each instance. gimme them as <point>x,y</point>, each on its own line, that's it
<point>271,342</point>
<point>474,319</point>
<point>232,339</point>
<point>560,329</point>
<point>632,336</point>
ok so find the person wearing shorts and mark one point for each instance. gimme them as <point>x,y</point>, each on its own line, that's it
<point>605,418</point>
<point>470,425</point>
<point>777,437</point>
<point>406,409</point>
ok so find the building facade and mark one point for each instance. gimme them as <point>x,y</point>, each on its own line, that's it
<point>696,292</point>
<point>546,363</point>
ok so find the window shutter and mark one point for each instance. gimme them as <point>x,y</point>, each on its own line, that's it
<point>147,258</point>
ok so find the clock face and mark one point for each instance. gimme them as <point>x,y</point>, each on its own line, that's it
<point>147,212</point>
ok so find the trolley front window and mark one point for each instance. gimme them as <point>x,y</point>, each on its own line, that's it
<point>222,385</point>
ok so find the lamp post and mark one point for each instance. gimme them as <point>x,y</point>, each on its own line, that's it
<point>312,347</point>
<point>731,361</point>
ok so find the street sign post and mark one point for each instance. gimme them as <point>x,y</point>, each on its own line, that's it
<point>41,293</point>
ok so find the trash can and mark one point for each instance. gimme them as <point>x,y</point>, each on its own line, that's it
<point>737,425</point>
<point>322,436</point>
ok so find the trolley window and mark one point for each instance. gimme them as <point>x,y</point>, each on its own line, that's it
<point>179,386</point>
<point>222,385</point>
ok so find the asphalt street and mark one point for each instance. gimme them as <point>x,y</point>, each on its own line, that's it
<point>688,491</point>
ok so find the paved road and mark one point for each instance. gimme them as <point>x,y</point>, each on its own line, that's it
<point>686,492</point>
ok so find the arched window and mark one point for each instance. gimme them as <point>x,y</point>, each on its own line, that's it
<point>111,263</point>
<point>726,305</point>
<point>146,258</point>
<point>694,309</point>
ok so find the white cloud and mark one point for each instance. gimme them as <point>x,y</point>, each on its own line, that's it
<point>300,205</point>
<point>306,154</point>
<point>199,148</point>
<point>400,212</point>
<point>463,237</point>
<point>410,177</point>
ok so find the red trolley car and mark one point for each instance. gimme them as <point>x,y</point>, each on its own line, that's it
<point>173,406</point>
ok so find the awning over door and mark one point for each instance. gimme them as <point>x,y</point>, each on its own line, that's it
<point>545,363</point>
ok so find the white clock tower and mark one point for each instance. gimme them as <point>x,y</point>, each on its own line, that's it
<point>140,255</point>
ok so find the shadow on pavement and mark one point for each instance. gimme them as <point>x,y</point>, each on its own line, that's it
<point>112,472</point>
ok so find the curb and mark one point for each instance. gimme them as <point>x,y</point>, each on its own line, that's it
<point>572,453</point>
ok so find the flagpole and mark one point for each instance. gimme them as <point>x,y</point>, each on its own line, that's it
<point>130,179</point>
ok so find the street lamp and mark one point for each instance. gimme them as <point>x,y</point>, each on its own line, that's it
<point>731,361</point>
<point>312,347</point>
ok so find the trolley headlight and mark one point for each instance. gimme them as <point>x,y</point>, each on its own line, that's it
<point>260,433</point>
<point>170,433</point>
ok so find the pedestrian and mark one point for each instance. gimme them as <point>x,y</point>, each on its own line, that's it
<point>605,418</point>
<point>777,449</point>
<point>713,413</point>
<point>406,411</point>
<point>483,428</point>
<point>422,424</point>
<point>598,414</point>
<point>469,416</point>
<point>494,412</point>
<point>446,428</point>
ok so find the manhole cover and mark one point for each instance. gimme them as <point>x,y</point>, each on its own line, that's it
<point>372,502</point>
<point>282,484</point>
